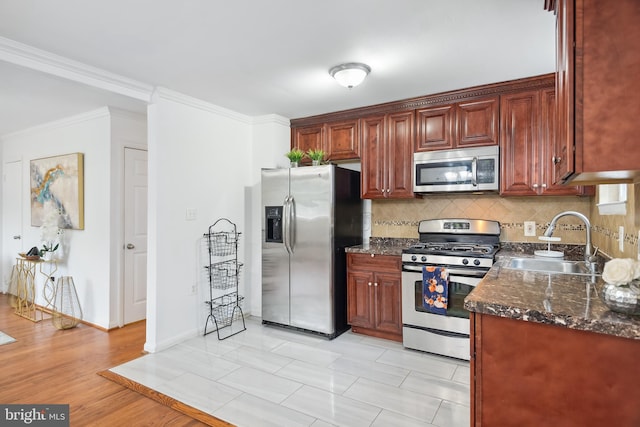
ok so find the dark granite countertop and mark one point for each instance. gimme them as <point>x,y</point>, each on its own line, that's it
<point>382,246</point>
<point>568,301</point>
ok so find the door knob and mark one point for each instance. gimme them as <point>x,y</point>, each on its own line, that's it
<point>130,246</point>
<point>18,237</point>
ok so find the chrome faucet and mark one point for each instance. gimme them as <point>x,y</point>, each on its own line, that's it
<point>589,255</point>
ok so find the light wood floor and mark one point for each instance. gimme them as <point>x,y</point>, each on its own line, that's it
<point>51,366</point>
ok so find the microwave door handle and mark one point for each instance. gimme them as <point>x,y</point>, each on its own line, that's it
<point>474,172</point>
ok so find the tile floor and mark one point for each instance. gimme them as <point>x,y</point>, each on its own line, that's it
<point>268,376</point>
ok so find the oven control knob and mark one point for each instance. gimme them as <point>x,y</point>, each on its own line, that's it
<point>423,258</point>
<point>465,261</point>
<point>476,262</point>
<point>413,257</point>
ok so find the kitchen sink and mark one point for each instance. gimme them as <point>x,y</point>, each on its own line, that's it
<point>543,265</point>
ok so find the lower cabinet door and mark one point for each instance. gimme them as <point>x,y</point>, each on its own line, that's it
<point>360,307</point>
<point>388,312</point>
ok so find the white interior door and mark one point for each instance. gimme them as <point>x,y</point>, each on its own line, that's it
<point>135,235</point>
<point>11,218</point>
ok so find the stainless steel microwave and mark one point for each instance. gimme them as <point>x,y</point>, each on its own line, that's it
<point>465,169</point>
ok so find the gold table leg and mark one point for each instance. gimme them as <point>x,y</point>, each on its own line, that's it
<point>25,303</point>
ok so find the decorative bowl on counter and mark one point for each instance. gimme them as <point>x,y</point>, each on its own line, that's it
<point>622,299</point>
<point>29,257</point>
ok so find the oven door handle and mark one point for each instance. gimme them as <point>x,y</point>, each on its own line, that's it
<point>477,274</point>
<point>465,280</point>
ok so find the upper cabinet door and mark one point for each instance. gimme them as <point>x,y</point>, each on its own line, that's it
<point>400,155</point>
<point>373,175</point>
<point>563,153</point>
<point>343,140</point>
<point>519,143</point>
<point>597,75</point>
<point>436,128</point>
<point>387,156</point>
<point>308,138</point>
<point>470,123</point>
<point>478,122</point>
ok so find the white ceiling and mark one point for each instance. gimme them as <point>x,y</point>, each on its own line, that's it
<point>258,57</point>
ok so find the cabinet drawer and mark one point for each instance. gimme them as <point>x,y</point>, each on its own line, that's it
<point>374,262</point>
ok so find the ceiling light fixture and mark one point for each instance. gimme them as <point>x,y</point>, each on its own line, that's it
<point>351,74</point>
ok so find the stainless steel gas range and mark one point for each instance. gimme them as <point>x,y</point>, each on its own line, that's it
<point>466,249</point>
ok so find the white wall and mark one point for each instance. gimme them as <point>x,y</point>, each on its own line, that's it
<point>202,158</point>
<point>86,252</point>
<point>199,158</point>
<point>90,256</point>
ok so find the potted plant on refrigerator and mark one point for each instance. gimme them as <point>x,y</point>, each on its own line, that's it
<point>316,156</point>
<point>294,156</point>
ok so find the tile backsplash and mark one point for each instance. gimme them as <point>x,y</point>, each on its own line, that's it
<point>400,218</point>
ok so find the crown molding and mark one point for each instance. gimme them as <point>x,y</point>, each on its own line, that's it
<point>172,95</point>
<point>427,101</point>
<point>271,119</point>
<point>46,62</point>
<point>56,124</point>
<point>132,115</point>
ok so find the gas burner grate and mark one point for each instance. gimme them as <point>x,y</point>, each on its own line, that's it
<point>452,248</point>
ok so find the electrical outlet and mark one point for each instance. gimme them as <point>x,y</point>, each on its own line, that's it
<point>194,289</point>
<point>529,228</point>
<point>621,238</point>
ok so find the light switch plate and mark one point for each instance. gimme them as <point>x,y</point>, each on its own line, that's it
<point>191,214</point>
<point>621,238</point>
<point>529,228</point>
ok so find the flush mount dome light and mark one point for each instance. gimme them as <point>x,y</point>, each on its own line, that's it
<point>351,74</point>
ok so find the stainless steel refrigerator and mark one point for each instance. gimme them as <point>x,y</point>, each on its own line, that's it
<point>309,215</point>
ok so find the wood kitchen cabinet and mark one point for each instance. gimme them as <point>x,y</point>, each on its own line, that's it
<point>469,123</point>
<point>339,140</point>
<point>308,138</point>
<point>597,85</point>
<point>527,135</point>
<point>343,140</point>
<point>387,156</point>
<point>533,374</point>
<point>374,295</point>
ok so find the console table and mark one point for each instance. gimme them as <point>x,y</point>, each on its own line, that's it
<point>26,286</point>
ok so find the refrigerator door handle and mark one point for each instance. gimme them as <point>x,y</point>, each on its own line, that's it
<point>292,224</point>
<point>285,224</point>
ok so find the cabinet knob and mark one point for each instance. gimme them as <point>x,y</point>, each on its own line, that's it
<point>375,284</point>
<point>556,160</point>
<point>544,185</point>
<point>130,246</point>
<point>535,185</point>
<point>372,255</point>
<point>369,283</point>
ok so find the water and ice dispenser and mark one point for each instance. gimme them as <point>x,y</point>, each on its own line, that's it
<point>273,221</point>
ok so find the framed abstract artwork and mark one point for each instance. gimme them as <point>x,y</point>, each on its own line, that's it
<point>58,183</point>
